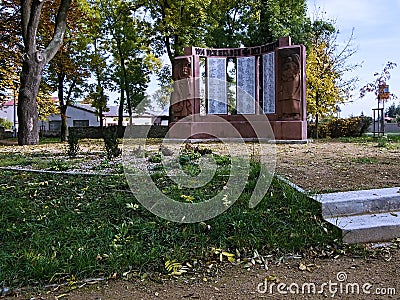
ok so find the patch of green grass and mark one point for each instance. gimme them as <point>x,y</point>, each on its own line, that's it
<point>390,138</point>
<point>36,162</point>
<point>49,140</point>
<point>9,159</point>
<point>57,227</point>
<point>365,160</point>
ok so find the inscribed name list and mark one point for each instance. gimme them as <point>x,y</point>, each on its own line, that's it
<point>216,86</point>
<point>268,83</point>
<point>246,84</point>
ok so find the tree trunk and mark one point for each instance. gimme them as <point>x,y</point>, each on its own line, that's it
<point>63,107</point>
<point>125,79</point>
<point>28,128</point>
<point>121,109</point>
<point>100,88</point>
<point>316,114</point>
<point>64,123</point>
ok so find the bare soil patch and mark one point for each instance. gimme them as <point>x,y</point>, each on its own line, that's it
<point>331,166</point>
<point>341,278</point>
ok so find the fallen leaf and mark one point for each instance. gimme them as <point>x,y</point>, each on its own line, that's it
<point>302,267</point>
<point>271,278</point>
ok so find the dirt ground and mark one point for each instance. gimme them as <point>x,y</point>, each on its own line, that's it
<point>341,278</point>
<point>334,166</point>
<point>318,167</point>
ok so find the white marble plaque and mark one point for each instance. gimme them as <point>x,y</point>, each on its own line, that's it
<point>269,83</point>
<point>246,92</point>
<point>216,86</point>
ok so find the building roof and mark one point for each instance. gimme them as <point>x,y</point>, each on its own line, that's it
<point>85,107</point>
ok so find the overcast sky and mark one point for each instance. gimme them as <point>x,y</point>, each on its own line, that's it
<point>377,38</point>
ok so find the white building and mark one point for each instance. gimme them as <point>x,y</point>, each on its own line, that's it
<point>78,115</point>
<point>9,111</point>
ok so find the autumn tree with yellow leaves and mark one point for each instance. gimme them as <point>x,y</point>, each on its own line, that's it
<point>326,66</point>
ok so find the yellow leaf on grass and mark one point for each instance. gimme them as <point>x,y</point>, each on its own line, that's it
<point>228,254</point>
<point>231,259</point>
<point>188,198</point>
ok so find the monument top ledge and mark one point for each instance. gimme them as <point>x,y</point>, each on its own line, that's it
<point>238,52</point>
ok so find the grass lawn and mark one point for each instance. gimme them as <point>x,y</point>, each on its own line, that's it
<point>57,228</point>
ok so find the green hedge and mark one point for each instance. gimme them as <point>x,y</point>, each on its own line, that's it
<point>350,127</point>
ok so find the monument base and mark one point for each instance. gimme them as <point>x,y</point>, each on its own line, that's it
<point>246,129</point>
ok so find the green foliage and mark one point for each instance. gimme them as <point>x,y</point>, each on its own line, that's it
<point>393,111</point>
<point>59,165</point>
<point>270,20</point>
<point>73,144</point>
<point>111,144</point>
<point>335,128</point>
<point>186,157</point>
<point>10,47</point>
<point>7,124</point>
<point>155,158</point>
<point>351,127</point>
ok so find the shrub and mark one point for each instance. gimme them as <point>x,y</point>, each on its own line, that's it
<point>111,144</point>
<point>323,131</point>
<point>155,159</point>
<point>7,124</point>
<point>73,144</point>
<point>351,127</point>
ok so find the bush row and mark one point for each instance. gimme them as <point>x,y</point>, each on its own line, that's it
<point>351,127</point>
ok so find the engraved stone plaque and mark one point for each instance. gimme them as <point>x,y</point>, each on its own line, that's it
<point>216,86</point>
<point>246,85</point>
<point>269,83</point>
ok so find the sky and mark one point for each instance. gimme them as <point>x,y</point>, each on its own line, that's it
<point>376,38</point>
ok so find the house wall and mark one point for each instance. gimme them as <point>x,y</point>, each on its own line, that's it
<point>7,112</point>
<point>72,114</point>
<point>145,120</point>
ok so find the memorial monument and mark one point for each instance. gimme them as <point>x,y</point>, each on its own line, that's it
<point>270,82</point>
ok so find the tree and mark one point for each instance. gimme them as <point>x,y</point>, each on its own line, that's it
<point>34,59</point>
<point>67,71</point>
<point>381,80</point>
<point>10,48</point>
<point>178,24</point>
<point>325,68</point>
<point>272,19</point>
<point>228,23</point>
<point>126,32</point>
<point>393,111</point>
<point>46,105</point>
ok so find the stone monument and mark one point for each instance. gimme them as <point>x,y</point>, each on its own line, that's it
<point>270,82</point>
